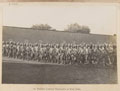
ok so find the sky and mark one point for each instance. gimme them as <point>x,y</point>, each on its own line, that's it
<point>101,19</point>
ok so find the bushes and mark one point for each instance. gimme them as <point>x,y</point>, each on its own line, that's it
<point>78,28</point>
<point>75,28</point>
<point>42,27</point>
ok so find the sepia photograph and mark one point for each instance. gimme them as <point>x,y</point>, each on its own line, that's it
<point>59,44</point>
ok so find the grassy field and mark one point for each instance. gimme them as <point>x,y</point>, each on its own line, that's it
<point>23,73</point>
<point>22,34</point>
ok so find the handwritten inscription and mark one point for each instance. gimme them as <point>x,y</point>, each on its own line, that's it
<point>13,3</point>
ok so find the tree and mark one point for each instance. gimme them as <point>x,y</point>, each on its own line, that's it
<point>78,28</point>
<point>42,27</point>
<point>85,29</point>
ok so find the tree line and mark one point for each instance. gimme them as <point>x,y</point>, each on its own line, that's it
<point>75,28</point>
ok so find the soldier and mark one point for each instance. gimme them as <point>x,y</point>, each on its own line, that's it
<point>68,58</point>
<point>109,50</point>
<point>40,52</point>
<point>10,46</point>
<point>3,48</point>
<point>114,55</point>
<point>28,49</point>
<point>35,48</point>
<point>18,50</point>
<point>85,54</point>
<point>14,50</point>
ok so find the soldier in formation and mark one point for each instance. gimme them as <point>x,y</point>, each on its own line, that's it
<point>64,53</point>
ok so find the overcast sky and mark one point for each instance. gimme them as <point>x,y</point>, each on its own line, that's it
<point>100,18</point>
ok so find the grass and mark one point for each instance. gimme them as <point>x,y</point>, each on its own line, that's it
<point>22,34</point>
<point>22,73</point>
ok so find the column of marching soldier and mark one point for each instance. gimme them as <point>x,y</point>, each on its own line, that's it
<point>64,53</point>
